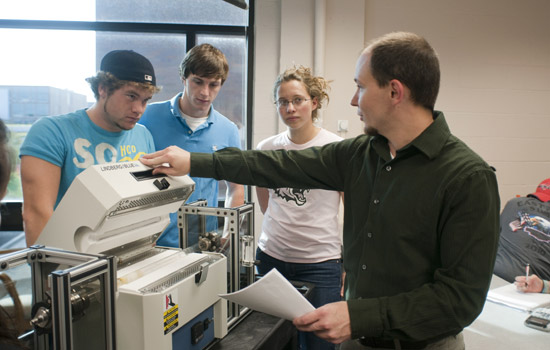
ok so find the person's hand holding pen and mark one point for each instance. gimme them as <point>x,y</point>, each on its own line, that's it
<point>532,284</point>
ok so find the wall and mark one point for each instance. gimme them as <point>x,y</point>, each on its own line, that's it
<point>285,36</point>
<point>495,63</point>
<point>294,44</point>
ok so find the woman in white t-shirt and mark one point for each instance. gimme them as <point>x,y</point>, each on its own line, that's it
<point>300,235</point>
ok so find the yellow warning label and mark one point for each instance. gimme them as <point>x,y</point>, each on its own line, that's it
<point>171,317</point>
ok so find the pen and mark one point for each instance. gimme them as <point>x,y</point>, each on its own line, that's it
<point>526,274</point>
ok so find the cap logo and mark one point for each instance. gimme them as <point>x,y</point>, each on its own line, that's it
<point>148,77</point>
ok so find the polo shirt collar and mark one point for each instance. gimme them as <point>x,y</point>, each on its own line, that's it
<point>174,105</point>
<point>175,109</point>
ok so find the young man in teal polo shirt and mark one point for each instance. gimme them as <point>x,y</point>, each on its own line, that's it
<point>190,121</point>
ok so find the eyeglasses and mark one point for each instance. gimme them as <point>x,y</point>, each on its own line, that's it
<point>296,101</point>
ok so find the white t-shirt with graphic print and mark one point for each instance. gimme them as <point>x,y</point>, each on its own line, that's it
<point>301,225</point>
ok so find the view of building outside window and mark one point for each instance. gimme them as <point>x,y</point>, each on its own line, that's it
<point>45,72</point>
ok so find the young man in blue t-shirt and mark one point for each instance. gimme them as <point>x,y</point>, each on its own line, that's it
<point>58,148</point>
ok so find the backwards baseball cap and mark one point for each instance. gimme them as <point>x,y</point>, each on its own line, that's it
<point>128,65</point>
<point>543,191</point>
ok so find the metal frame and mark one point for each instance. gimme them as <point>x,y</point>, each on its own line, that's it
<point>80,267</point>
<point>234,311</point>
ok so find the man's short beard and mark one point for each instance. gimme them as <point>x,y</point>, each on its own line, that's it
<point>370,131</point>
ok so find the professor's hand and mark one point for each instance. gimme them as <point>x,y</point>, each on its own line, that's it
<point>330,322</point>
<point>170,161</point>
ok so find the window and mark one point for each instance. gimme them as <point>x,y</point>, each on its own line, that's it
<point>55,45</point>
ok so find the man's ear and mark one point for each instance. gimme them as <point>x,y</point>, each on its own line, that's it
<point>102,91</point>
<point>397,90</point>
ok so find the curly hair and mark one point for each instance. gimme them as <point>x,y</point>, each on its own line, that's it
<point>112,83</point>
<point>317,87</point>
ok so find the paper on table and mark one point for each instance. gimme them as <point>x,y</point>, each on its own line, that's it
<point>509,295</point>
<point>274,295</point>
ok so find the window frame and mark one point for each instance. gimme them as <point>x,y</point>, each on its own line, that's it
<point>191,31</point>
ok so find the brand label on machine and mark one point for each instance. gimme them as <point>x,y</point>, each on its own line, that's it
<point>171,313</point>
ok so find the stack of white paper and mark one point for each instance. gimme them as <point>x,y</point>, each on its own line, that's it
<point>273,295</point>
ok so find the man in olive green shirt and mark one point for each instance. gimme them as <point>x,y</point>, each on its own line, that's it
<point>421,217</point>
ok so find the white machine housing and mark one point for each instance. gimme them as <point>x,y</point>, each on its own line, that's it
<point>110,205</point>
<point>120,209</point>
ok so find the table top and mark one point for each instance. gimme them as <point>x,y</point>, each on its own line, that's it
<point>501,327</point>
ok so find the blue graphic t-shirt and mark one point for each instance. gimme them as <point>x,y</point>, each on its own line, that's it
<point>73,143</point>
